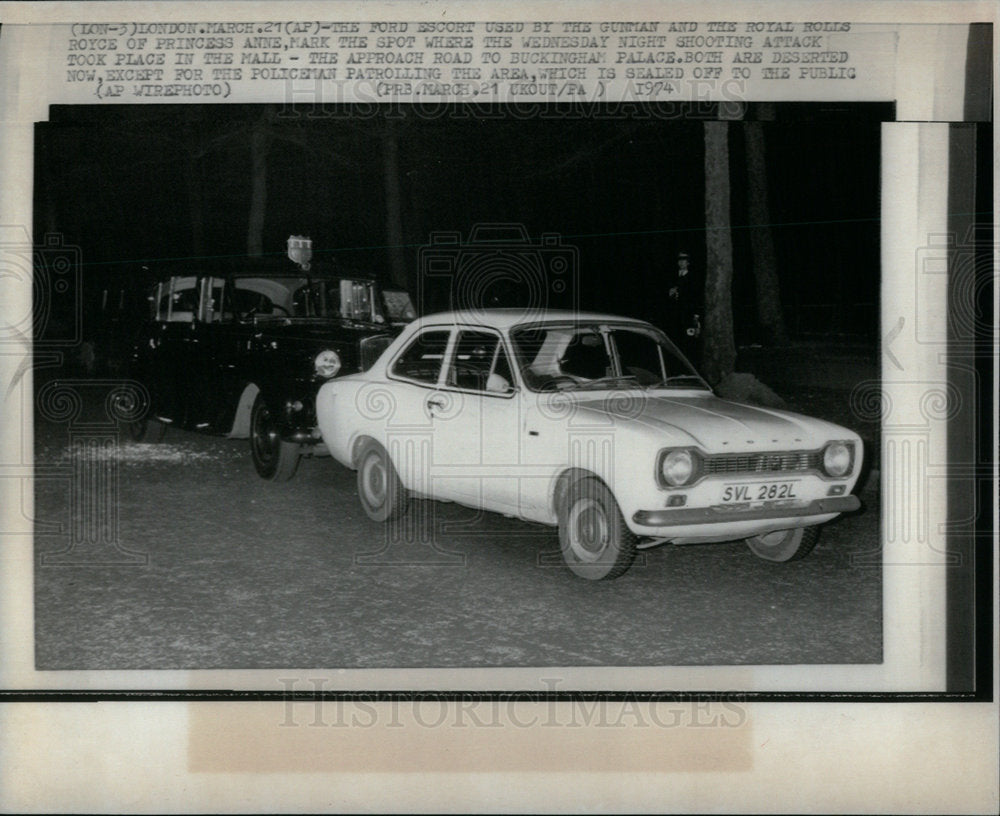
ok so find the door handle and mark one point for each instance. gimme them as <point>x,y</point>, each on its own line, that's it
<point>435,402</point>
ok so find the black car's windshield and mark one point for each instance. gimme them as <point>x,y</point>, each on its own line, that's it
<point>302,296</point>
<point>597,356</point>
<point>399,306</point>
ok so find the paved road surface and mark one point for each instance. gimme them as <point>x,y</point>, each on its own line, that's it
<point>240,573</point>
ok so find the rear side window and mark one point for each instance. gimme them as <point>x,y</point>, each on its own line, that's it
<point>178,300</point>
<point>422,359</point>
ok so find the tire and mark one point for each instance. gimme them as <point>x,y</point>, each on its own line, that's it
<point>273,458</point>
<point>147,430</point>
<point>380,491</point>
<point>595,541</point>
<point>785,545</point>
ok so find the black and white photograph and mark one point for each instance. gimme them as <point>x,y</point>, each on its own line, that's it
<point>371,366</point>
<point>600,385</point>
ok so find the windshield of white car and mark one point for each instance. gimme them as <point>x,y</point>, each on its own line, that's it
<point>593,356</point>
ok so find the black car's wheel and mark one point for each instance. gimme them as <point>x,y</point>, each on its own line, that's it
<point>785,545</point>
<point>146,430</point>
<point>382,494</point>
<point>273,457</point>
<point>595,541</point>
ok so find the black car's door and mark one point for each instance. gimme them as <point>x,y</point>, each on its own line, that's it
<point>218,349</point>
<point>167,352</point>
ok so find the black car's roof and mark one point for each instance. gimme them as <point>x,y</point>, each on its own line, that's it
<point>276,265</point>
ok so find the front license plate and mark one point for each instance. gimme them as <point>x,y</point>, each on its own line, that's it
<point>758,491</point>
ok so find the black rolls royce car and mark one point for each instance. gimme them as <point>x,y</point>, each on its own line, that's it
<point>240,348</point>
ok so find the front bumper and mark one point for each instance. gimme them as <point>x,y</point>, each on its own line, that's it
<point>720,514</point>
<point>297,410</point>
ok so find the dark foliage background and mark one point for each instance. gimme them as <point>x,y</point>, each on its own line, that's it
<point>135,184</point>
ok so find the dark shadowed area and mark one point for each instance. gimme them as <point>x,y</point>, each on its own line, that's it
<point>136,185</point>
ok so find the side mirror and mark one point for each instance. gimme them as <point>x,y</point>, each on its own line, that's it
<point>496,384</point>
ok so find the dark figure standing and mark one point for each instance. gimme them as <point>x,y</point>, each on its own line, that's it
<point>685,297</point>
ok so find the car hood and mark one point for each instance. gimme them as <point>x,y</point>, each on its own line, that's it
<point>716,425</point>
<point>293,345</point>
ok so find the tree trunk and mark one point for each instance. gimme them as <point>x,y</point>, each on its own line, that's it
<point>259,142</point>
<point>393,204</point>
<point>765,266</point>
<point>192,177</point>
<point>719,347</point>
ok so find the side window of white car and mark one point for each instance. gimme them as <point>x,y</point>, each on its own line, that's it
<point>422,359</point>
<point>501,380</point>
<point>479,363</point>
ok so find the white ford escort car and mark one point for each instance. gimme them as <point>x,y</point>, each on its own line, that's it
<point>590,422</point>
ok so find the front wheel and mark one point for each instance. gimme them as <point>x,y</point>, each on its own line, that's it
<point>595,541</point>
<point>785,545</point>
<point>382,494</point>
<point>273,457</point>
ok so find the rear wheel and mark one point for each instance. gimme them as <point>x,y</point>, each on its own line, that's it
<point>595,541</point>
<point>785,545</point>
<point>273,457</point>
<point>382,494</point>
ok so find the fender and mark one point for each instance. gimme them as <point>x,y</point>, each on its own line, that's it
<point>564,481</point>
<point>240,428</point>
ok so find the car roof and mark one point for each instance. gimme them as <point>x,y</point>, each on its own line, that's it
<point>242,266</point>
<point>506,318</point>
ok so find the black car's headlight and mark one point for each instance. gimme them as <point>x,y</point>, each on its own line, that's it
<point>676,467</point>
<point>838,458</point>
<point>327,363</point>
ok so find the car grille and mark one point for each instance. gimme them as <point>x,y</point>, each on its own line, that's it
<point>780,462</point>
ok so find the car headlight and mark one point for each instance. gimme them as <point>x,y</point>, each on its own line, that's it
<point>838,458</point>
<point>677,467</point>
<point>327,363</point>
